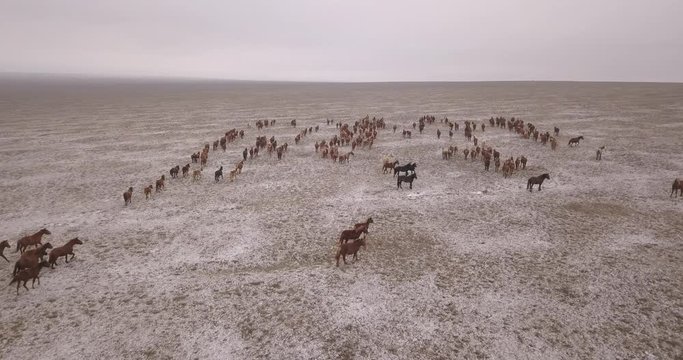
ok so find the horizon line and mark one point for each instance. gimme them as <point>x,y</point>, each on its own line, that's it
<point>180,78</point>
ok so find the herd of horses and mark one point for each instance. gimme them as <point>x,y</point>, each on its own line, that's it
<point>31,261</point>
<point>362,134</point>
<point>201,158</point>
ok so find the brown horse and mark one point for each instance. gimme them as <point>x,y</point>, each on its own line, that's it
<point>365,225</point>
<point>352,234</point>
<point>536,180</point>
<point>4,245</point>
<point>677,187</point>
<point>25,275</point>
<point>186,170</point>
<point>64,250</point>
<point>31,240</point>
<point>347,249</point>
<point>128,196</point>
<point>31,258</point>
<point>388,166</point>
<point>196,175</point>
<point>160,184</point>
<point>345,158</point>
<point>148,191</point>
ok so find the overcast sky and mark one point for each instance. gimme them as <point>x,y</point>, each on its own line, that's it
<point>347,40</point>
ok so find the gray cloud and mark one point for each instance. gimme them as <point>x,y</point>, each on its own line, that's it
<point>627,40</point>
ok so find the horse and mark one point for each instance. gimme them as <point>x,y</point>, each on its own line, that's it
<point>345,157</point>
<point>25,275</point>
<point>186,170</point>
<point>218,174</point>
<point>536,180</point>
<point>523,160</point>
<point>128,196</point>
<point>677,187</point>
<point>352,234</point>
<point>406,178</point>
<point>148,191</point>
<point>34,240</point>
<point>404,168</point>
<point>232,175</point>
<point>31,258</point>
<point>64,250</point>
<point>365,225</point>
<point>388,165</point>
<point>160,183</point>
<point>4,245</point>
<point>347,249</point>
<point>575,141</point>
<point>598,153</point>
<point>557,131</point>
<point>196,175</point>
<point>174,171</point>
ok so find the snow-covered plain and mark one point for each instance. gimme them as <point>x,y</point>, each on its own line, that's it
<point>467,264</point>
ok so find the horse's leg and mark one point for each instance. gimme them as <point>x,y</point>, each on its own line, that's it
<point>3,256</point>
<point>24,285</point>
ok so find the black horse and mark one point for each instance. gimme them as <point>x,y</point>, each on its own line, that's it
<point>536,180</point>
<point>174,171</point>
<point>404,168</point>
<point>218,174</point>
<point>406,178</point>
<point>575,141</point>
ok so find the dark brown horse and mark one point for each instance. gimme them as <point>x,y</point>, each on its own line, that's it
<point>64,250</point>
<point>348,249</point>
<point>4,245</point>
<point>352,234</point>
<point>677,187</point>
<point>536,180</point>
<point>31,240</point>
<point>406,178</point>
<point>25,275</point>
<point>128,196</point>
<point>160,184</point>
